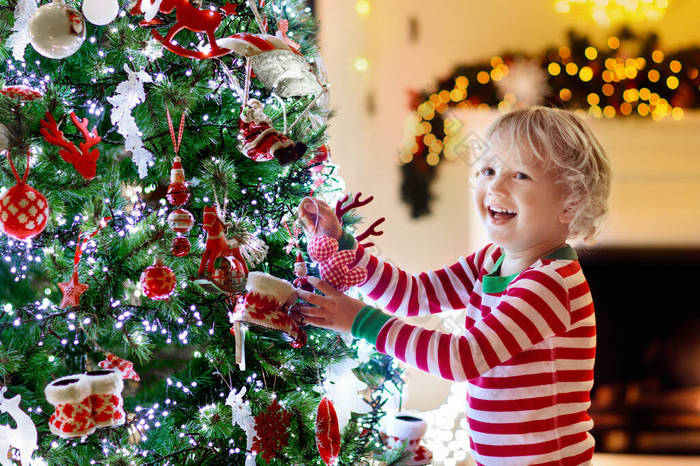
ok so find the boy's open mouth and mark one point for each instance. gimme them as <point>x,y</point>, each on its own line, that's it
<point>497,213</point>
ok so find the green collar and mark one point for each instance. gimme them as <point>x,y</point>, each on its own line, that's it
<point>493,283</point>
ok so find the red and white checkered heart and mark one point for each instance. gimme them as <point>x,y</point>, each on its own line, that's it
<point>355,276</point>
<point>333,274</point>
<point>322,247</point>
<point>345,257</point>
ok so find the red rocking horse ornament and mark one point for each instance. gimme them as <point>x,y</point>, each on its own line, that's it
<point>193,19</point>
<point>229,277</point>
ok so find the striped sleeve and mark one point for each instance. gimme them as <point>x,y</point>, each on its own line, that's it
<point>534,307</point>
<point>426,293</point>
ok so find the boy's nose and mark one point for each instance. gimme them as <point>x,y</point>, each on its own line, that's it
<point>497,187</point>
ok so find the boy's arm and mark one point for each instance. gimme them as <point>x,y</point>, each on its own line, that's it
<point>535,307</point>
<point>426,293</point>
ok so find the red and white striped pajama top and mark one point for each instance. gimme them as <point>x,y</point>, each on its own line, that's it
<point>527,350</point>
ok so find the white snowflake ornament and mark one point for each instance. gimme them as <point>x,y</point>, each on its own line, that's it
<point>129,94</point>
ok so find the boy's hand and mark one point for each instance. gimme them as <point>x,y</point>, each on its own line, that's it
<point>319,218</point>
<point>334,311</point>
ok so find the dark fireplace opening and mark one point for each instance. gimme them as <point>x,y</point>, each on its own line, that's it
<point>646,397</point>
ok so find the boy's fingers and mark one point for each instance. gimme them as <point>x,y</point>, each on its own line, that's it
<point>313,298</point>
<point>325,287</point>
<point>311,311</point>
<point>316,321</point>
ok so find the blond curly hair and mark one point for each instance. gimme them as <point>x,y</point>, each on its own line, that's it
<point>563,141</point>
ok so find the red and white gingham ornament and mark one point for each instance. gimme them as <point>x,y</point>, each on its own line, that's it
<point>124,366</point>
<point>334,265</point>
<point>181,220</point>
<point>158,281</point>
<point>23,210</point>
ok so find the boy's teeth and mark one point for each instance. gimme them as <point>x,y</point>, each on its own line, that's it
<point>506,211</point>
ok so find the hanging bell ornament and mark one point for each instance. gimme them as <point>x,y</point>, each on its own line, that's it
<point>177,194</point>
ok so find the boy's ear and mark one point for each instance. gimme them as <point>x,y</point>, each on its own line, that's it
<point>566,215</point>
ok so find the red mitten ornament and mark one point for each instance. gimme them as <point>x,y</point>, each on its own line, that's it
<point>23,210</point>
<point>158,281</point>
<point>327,432</point>
<point>261,142</point>
<point>334,265</point>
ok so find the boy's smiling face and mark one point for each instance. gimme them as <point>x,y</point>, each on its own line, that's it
<point>518,200</point>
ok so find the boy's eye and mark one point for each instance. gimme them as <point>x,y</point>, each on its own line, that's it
<point>487,171</point>
<point>521,176</point>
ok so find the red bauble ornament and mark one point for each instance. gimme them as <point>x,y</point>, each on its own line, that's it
<point>271,431</point>
<point>180,220</point>
<point>178,194</point>
<point>158,281</point>
<point>180,246</point>
<point>327,432</point>
<point>23,212</point>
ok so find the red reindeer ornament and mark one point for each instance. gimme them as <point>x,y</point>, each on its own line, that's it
<point>84,157</point>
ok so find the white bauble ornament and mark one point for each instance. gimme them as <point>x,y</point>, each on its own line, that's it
<point>4,137</point>
<point>56,30</point>
<point>100,12</point>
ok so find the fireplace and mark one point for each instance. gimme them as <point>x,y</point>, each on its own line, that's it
<point>646,397</point>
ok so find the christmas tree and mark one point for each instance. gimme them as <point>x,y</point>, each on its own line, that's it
<point>153,159</point>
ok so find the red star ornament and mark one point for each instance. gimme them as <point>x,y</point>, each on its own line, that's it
<point>72,290</point>
<point>230,8</point>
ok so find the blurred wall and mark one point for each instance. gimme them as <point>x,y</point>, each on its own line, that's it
<point>409,44</point>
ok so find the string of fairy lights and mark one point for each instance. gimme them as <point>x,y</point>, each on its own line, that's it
<point>602,82</point>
